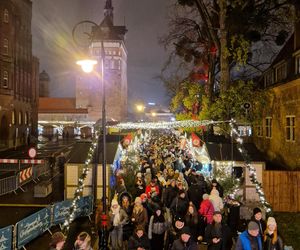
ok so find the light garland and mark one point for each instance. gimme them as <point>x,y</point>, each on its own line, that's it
<point>73,208</point>
<point>252,170</point>
<point>166,125</point>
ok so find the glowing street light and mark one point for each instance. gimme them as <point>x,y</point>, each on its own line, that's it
<point>140,107</point>
<point>87,65</point>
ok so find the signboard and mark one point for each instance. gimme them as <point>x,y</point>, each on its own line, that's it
<point>85,206</point>
<point>60,211</point>
<point>32,152</point>
<point>6,238</point>
<point>33,226</point>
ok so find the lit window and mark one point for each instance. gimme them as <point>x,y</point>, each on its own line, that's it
<point>20,118</point>
<point>268,127</point>
<point>268,78</point>
<point>5,46</point>
<point>13,117</point>
<point>290,128</point>
<point>5,16</point>
<point>26,118</point>
<point>280,72</point>
<point>297,64</point>
<point>5,79</point>
<point>112,64</point>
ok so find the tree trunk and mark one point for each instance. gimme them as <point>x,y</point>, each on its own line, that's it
<point>224,64</point>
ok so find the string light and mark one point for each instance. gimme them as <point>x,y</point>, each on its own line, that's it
<point>252,170</point>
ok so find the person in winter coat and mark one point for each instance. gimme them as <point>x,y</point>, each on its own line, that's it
<point>139,214</point>
<point>139,241</point>
<point>216,200</point>
<point>152,188</point>
<point>157,228</point>
<point>271,239</point>
<point>170,193</point>
<point>206,209</point>
<point>217,234</point>
<point>257,217</point>
<point>185,242</point>
<point>193,221</point>
<point>179,205</point>
<point>118,218</point>
<point>249,239</point>
<point>216,184</point>
<point>195,193</point>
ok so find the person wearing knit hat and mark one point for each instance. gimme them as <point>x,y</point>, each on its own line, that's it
<point>250,238</point>
<point>118,218</point>
<point>185,241</point>
<point>139,215</point>
<point>257,217</point>
<point>206,209</point>
<point>271,239</point>
<point>218,235</point>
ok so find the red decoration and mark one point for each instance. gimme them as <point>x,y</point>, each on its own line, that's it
<point>196,141</point>
<point>104,220</point>
<point>213,50</point>
<point>127,139</point>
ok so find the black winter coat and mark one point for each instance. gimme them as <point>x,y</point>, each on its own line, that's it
<point>225,235</point>
<point>135,242</point>
<point>169,195</point>
<point>179,207</point>
<point>179,245</point>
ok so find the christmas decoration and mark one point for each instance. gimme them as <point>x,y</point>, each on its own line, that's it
<point>252,171</point>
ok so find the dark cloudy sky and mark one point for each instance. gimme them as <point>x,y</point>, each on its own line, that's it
<point>146,20</point>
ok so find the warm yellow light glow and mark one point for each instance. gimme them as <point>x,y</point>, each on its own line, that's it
<point>87,65</point>
<point>140,107</point>
<point>153,113</point>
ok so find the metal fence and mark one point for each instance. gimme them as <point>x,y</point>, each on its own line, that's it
<point>8,184</point>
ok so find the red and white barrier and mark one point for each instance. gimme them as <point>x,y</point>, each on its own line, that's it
<point>9,160</point>
<point>25,174</point>
<point>33,161</point>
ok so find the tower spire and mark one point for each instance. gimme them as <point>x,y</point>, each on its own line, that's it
<point>108,10</point>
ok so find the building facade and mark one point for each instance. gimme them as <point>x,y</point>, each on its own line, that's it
<point>278,135</point>
<point>18,74</point>
<point>88,88</point>
<point>77,116</point>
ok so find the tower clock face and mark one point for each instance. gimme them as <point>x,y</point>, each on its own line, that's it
<point>83,33</point>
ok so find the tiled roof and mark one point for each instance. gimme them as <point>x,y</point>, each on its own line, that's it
<point>59,105</point>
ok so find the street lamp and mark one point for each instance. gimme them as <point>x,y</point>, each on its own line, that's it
<point>140,109</point>
<point>87,66</point>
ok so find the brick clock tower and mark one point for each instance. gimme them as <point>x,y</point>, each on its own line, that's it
<point>88,88</point>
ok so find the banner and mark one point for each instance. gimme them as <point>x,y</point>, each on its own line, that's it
<point>6,238</point>
<point>85,206</point>
<point>60,211</point>
<point>33,226</point>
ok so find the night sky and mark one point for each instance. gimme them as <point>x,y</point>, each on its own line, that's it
<point>146,21</point>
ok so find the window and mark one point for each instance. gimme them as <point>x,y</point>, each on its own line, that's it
<point>290,128</point>
<point>280,72</point>
<point>297,64</point>
<point>5,79</point>
<point>268,78</point>
<point>26,118</point>
<point>20,118</point>
<point>5,46</point>
<point>268,127</point>
<point>5,16</point>
<point>13,117</point>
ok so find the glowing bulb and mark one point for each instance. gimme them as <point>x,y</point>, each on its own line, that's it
<point>87,65</point>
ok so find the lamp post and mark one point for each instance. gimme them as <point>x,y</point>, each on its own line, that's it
<point>87,66</point>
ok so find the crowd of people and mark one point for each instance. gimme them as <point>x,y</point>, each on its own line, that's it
<point>173,207</point>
